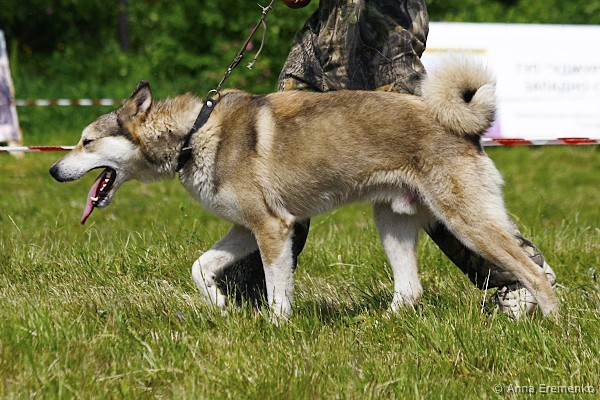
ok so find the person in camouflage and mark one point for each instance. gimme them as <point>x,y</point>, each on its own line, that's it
<point>376,45</point>
<point>359,45</point>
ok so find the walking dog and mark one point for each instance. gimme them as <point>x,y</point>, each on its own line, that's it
<point>264,162</point>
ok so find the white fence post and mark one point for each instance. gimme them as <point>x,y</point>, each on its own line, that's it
<point>9,123</point>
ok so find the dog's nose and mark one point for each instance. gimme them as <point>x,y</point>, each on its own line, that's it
<point>54,172</point>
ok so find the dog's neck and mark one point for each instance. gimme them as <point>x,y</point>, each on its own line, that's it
<point>169,122</point>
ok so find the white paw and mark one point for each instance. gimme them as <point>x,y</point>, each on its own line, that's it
<point>400,302</point>
<point>206,282</point>
<point>280,312</point>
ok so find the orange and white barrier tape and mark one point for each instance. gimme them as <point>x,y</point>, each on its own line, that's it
<point>67,102</point>
<point>7,149</point>
<point>491,142</point>
<point>487,142</point>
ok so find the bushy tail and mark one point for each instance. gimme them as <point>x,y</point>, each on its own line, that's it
<point>461,96</point>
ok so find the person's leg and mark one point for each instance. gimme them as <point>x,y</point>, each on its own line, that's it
<point>512,298</point>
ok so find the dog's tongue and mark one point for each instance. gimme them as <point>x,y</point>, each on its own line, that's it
<point>93,193</point>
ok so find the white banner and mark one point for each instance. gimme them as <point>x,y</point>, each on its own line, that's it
<point>9,123</point>
<point>548,76</point>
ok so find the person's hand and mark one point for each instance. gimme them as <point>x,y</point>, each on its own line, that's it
<point>296,3</point>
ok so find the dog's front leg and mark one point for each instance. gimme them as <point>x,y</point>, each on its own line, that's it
<point>235,245</point>
<point>274,239</point>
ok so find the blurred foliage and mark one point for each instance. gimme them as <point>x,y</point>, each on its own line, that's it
<point>70,48</point>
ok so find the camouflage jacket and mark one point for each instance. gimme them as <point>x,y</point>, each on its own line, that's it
<point>359,44</point>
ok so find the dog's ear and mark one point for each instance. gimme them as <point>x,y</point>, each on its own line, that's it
<point>139,102</point>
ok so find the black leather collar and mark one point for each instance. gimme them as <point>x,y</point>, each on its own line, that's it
<point>186,150</point>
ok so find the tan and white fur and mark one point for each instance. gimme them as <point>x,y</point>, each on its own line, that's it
<point>264,162</point>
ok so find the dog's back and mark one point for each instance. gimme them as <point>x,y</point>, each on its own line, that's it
<point>313,151</point>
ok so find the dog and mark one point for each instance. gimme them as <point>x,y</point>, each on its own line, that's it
<point>264,162</point>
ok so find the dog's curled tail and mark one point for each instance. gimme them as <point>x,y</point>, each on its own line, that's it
<point>461,95</point>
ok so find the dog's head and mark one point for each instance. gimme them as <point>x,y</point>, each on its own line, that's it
<point>109,143</point>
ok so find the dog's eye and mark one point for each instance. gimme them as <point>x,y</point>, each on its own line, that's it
<point>87,142</point>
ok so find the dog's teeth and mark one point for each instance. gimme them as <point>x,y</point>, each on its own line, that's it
<point>94,198</point>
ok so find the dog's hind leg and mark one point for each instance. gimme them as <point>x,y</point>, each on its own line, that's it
<point>399,235</point>
<point>502,248</point>
<point>236,244</point>
<point>472,208</point>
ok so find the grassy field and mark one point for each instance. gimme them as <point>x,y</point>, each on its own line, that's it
<point>109,310</point>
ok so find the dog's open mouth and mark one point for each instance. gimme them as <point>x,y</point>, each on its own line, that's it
<point>98,193</point>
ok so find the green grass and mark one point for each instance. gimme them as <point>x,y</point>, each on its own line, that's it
<point>109,310</point>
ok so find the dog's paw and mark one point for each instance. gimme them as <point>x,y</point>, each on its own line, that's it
<point>206,282</point>
<point>400,302</point>
<point>280,313</point>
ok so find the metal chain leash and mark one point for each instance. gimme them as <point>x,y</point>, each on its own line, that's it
<point>240,55</point>
<point>209,103</point>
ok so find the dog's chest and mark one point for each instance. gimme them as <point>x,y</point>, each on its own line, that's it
<point>220,201</point>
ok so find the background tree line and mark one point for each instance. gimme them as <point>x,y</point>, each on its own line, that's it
<point>74,47</point>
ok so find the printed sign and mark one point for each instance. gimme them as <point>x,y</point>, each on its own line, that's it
<point>9,124</point>
<point>548,76</point>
